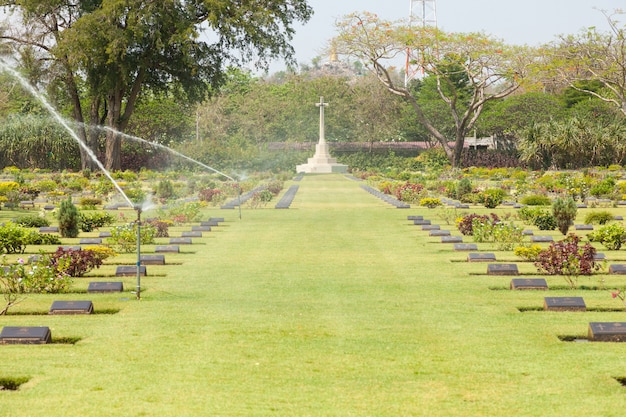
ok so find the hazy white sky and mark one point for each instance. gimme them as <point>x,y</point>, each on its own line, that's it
<point>529,22</point>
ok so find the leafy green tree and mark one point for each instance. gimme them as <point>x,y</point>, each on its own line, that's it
<point>508,116</point>
<point>469,69</point>
<point>593,62</point>
<point>122,47</point>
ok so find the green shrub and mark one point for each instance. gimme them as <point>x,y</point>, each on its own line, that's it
<point>124,238</point>
<point>536,200</point>
<point>165,190</point>
<point>493,197</point>
<point>182,213</point>
<point>564,211</point>
<point>35,238</point>
<point>598,217</point>
<point>89,201</point>
<point>604,188</point>
<point>528,253</point>
<point>46,185</point>
<point>507,236</point>
<point>611,236</point>
<point>545,221</point>
<point>528,213</point>
<point>30,220</point>
<point>136,195</point>
<point>463,187</point>
<point>68,219</point>
<point>12,238</point>
<point>39,277</point>
<point>430,202</point>
<point>90,221</point>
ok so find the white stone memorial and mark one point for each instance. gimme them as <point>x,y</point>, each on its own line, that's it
<point>321,163</point>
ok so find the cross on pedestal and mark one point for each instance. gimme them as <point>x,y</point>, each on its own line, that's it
<point>321,105</point>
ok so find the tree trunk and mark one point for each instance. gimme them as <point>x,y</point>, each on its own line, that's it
<point>113,155</point>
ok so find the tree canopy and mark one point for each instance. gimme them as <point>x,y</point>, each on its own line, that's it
<point>469,69</point>
<point>105,53</point>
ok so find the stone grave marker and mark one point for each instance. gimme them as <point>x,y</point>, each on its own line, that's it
<point>541,239</point>
<point>527,232</point>
<point>581,205</point>
<point>35,258</point>
<point>599,256</point>
<point>502,269</point>
<point>617,269</point>
<point>12,335</point>
<point>439,233</point>
<point>200,228</point>
<point>216,219</point>
<point>431,227</point>
<point>607,331</point>
<point>191,234</point>
<point>130,271</point>
<point>618,218</point>
<point>90,241</point>
<point>451,239</point>
<point>481,257</point>
<point>105,234</point>
<point>66,248</point>
<point>71,307</point>
<point>529,284</point>
<point>48,229</point>
<point>27,204</point>
<point>180,241</point>
<point>152,260</point>
<point>210,223</point>
<point>103,287</point>
<point>167,248</point>
<point>49,207</point>
<point>421,222</point>
<point>415,217</point>
<point>564,304</point>
<point>583,227</point>
<point>465,246</point>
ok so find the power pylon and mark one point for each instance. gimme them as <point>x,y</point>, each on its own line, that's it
<point>422,14</point>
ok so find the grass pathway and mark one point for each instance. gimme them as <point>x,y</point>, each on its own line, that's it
<point>335,307</point>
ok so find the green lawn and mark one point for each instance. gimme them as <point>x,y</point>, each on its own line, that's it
<point>335,307</point>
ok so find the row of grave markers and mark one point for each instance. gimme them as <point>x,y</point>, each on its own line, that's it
<point>42,334</point>
<point>597,331</point>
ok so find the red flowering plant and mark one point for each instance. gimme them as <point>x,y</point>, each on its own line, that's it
<point>569,259</point>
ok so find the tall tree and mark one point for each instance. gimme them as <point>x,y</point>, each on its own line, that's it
<point>108,51</point>
<point>590,58</point>
<point>469,69</point>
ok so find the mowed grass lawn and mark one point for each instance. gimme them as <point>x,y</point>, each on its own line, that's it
<point>335,307</point>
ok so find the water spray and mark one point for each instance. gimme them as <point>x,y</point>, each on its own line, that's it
<point>63,123</point>
<point>168,149</point>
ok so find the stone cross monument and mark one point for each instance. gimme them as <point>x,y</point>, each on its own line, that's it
<point>321,162</point>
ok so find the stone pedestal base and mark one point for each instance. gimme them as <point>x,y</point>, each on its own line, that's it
<point>321,162</point>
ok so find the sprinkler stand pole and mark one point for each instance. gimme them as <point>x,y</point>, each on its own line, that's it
<point>138,289</point>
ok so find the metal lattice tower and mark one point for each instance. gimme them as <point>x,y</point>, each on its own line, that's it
<point>422,14</point>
